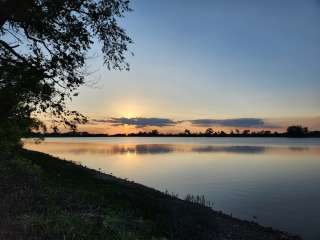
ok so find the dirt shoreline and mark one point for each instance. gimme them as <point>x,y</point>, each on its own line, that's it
<point>49,198</point>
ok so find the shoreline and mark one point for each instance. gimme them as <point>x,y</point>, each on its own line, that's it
<point>62,195</point>
<point>166,136</point>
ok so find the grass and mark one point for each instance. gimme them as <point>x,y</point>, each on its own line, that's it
<point>47,198</point>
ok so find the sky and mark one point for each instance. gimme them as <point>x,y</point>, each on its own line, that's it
<point>224,64</point>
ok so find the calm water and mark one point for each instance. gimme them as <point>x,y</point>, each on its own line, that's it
<point>276,180</point>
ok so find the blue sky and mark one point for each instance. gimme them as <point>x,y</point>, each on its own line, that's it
<point>216,59</point>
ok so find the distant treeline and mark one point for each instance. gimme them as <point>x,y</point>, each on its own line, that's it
<point>292,131</point>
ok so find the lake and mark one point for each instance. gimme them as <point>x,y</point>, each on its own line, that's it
<point>274,181</point>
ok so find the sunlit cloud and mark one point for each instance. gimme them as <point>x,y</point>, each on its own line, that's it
<point>141,122</point>
<point>138,122</point>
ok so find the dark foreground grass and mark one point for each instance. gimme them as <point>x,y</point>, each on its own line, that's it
<point>42,197</point>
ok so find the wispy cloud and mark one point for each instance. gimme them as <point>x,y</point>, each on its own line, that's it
<point>138,122</point>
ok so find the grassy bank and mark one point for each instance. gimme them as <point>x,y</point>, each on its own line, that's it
<point>43,197</point>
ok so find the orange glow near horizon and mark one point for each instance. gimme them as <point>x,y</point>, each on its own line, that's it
<point>127,129</point>
<point>313,123</point>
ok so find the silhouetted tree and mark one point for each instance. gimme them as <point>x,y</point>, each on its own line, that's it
<point>296,131</point>
<point>223,134</point>
<point>246,132</point>
<point>209,131</point>
<point>43,46</point>
<point>155,132</point>
<point>187,132</point>
<point>267,132</point>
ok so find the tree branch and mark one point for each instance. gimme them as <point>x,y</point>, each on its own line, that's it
<point>11,50</point>
<point>12,34</point>
<point>37,40</point>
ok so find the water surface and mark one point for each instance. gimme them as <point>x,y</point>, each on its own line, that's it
<point>275,180</point>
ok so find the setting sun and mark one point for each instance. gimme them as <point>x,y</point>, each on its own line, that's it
<point>129,114</point>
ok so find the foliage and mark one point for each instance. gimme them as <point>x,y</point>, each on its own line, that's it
<point>199,199</point>
<point>43,47</point>
<point>297,131</point>
<point>185,133</point>
<point>209,131</point>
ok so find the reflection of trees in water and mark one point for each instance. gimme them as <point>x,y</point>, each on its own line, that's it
<point>298,149</point>
<point>154,149</point>
<point>231,149</point>
<point>119,149</point>
<point>159,149</point>
<point>123,149</point>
